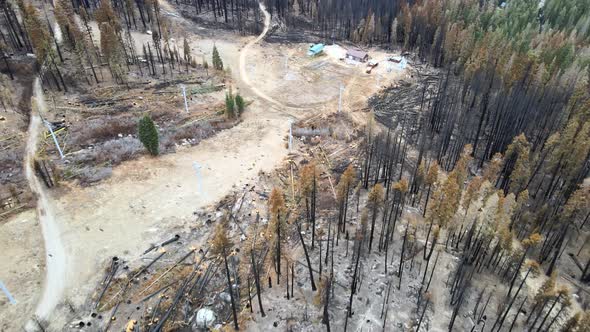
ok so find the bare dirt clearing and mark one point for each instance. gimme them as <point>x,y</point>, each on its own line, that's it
<point>148,196</point>
<point>22,268</point>
<point>245,201</point>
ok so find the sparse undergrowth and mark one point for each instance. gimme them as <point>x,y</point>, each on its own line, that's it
<point>99,138</point>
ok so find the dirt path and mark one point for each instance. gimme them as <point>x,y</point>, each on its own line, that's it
<point>22,268</point>
<point>55,256</point>
<point>244,74</point>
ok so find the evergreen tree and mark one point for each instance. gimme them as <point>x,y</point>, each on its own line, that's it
<point>521,169</point>
<point>446,200</point>
<point>206,67</point>
<point>585,322</point>
<point>6,92</point>
<point>431,178</point>
<point>105,14</point>
<point>217,62</point>
<point>493,168</point>
<point>187,54</point>
<point>544,294</point>
<point>230,105</point>
<point>112,50</point>
<point>462,165</point>
<point>572,323</point>
<point>148,135</point>
<point>186,51</point>
<point>65,17</point>
<point>240,104</point>
<point>38,33</point>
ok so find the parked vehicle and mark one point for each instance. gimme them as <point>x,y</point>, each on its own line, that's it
<point>370,65</point>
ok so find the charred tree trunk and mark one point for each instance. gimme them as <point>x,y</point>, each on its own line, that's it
<point>257,282</point>
<point>231,291</point>
<point>313,287</point>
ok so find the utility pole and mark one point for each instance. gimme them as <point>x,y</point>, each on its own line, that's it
<point>290,134</point>
<point>340,98</point>
<point>48,125</point>
<point>184,96</point>
<point>7,293</point>
<point>197,168</point>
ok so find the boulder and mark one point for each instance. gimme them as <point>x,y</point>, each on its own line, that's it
<point>225,297</point>
<point>205,318</point>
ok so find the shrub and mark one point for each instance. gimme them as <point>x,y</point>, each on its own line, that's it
<point>12,166</point>
<point>240,104</point>
<point>90,175</point>
<point>118,150</point>
<point>148,135</point>
<point>217,62</point>
<point>196,130</point>
<point>112,152</point>
<point>229,106</point>
<point>167,144</point>
<point>101,128</point>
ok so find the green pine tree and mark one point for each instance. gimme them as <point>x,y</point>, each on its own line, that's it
<point>240,104</point>
<point>217,62</point>
<point>148,135</point>
<point>206,67</point>
<point>230,105</point>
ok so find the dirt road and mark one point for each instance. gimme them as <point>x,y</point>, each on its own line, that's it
<point>244,53</point>
<point>55,256</point>
<point>21,268</point>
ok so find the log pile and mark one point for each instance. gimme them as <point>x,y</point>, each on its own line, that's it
<point>406,99</point>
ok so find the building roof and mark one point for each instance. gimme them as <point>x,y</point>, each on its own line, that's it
<point>357,53</point>
<point>396,58</point>
<point>315,49</point>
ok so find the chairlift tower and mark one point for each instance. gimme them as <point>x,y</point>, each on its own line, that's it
<point>184,96</point>
<point>7,293</point>
<point>198,168</point>
<point>340,98</point>
<point>49,126</point>
<point>290,134</point>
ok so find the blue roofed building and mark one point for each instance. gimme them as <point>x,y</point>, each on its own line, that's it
<point>315,49</point>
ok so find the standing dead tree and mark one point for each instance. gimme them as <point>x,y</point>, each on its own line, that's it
<point>308,189</point>
<point>255,264</point>
<point>221,246</point>
<point>343,193</point>
<point>375,204</point>
<point>276,227</point>
<point>299,231</point>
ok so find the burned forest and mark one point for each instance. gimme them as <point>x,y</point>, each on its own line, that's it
<point>295,165</point>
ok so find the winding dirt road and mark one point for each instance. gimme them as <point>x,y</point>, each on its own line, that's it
<point>55,256</point>
<point>278,105</point>
<point>244,53</point>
